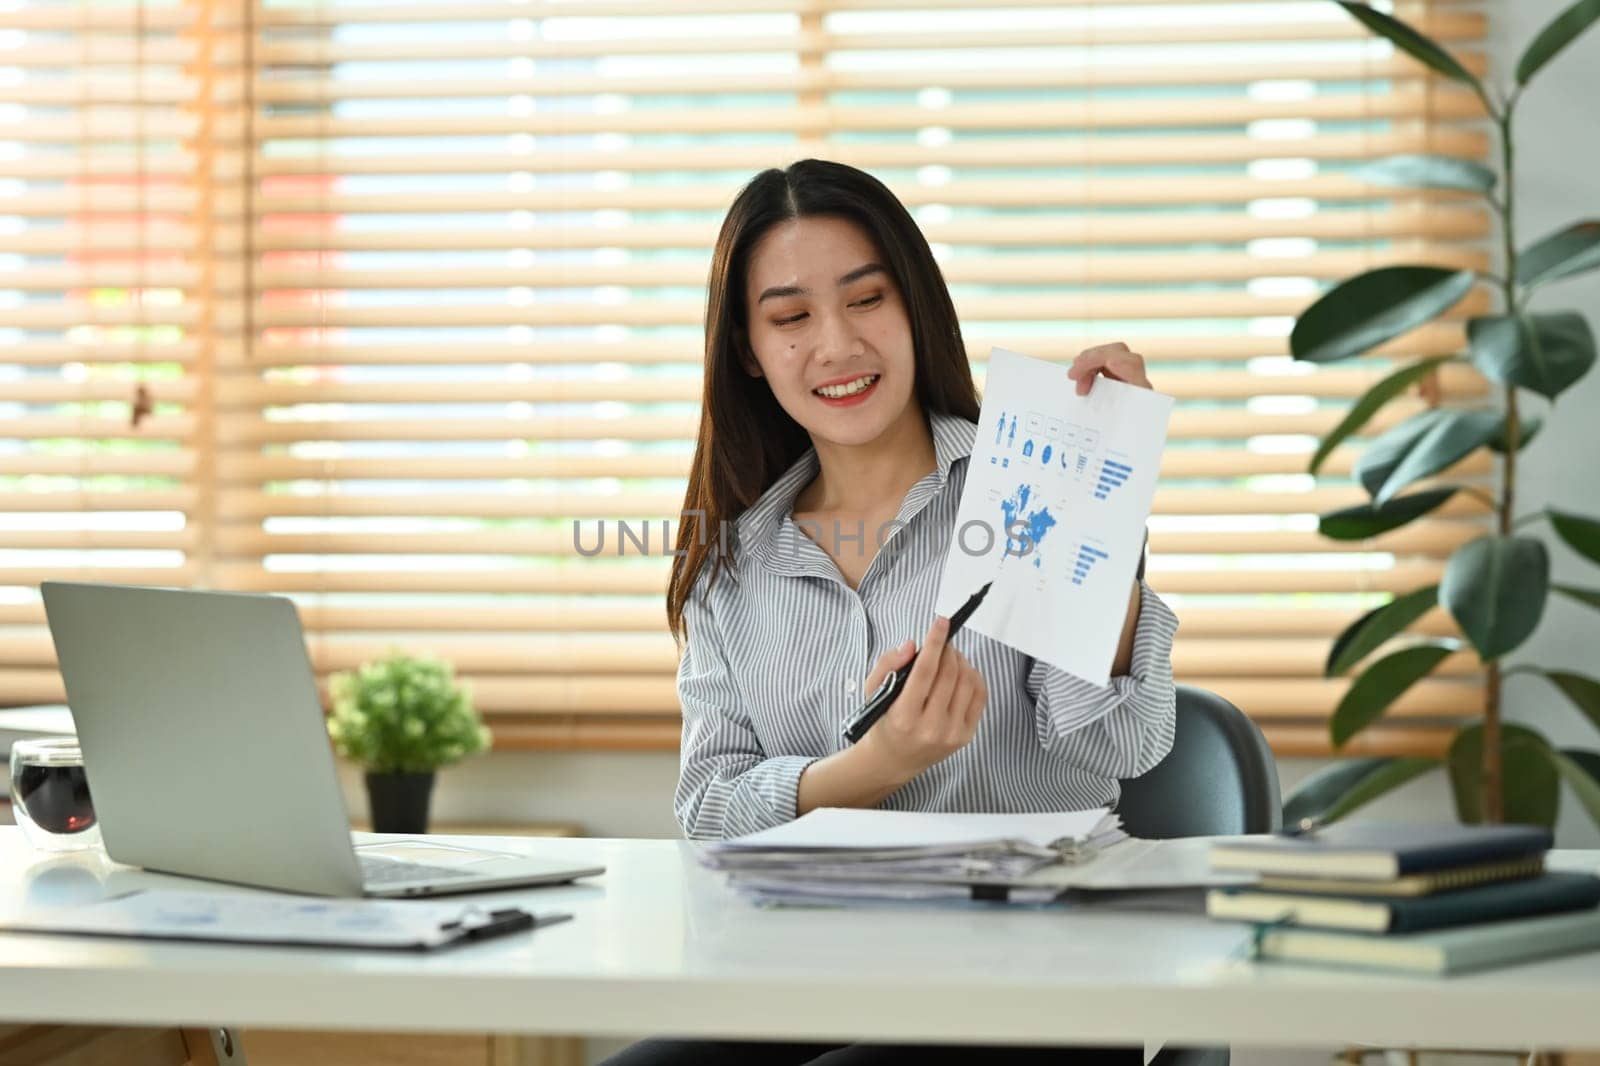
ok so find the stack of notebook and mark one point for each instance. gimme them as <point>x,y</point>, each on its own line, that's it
<point>838,856</point>
<point>1408,896</point>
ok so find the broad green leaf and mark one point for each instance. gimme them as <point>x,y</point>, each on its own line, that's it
<point>1530,790</point>
<point>1561,254</point>
<point>1589,760</point>
<point>1341,787</point>
<point>1545,352</point>
<point>1374,398</point>
<point>1581,770</point>
<point>1588,596</point>
<point>1555,36</point>
<point>1581,534</point>
<point>1584,692</point>
<point>1378,461</point>
<point>1380,685</point>
<point>1429,172</point>
<point>1528,427</point>
<point>1445,443</point>
<point>1414,44</point>
<point>1376,626</point>
<point>1495,588</point>
<point>1324,787</point>
<point>1374,307</point>
<point>1365,520</point>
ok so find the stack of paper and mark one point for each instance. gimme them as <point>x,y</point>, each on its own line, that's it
<point>839,855</point>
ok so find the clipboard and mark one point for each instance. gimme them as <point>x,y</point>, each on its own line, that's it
<point>275,919</point>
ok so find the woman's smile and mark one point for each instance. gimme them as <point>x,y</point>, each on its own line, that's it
<point>849,392</point>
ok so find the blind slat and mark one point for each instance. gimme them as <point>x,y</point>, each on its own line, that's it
<point>1456,382</point>
<point>338,14</point>
<point>646,577</point>
<point>655,657</point>
<point>686,313</point>
<point>174,463</point>
<point>1062,114</point>
<point>1089,268</point>
<point>1179,501</point>
<point>1215,424</point>
<point>234,469</point>
<point>317,51</point>
<point>1066,191</point>
<point>1061,152</point>
<point>1099,75</point>
<point>1436,538</point>
<point>1436,339</point>
<point>620,616</point>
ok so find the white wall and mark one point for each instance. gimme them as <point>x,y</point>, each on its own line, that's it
<point>1558,166</point>
<point>611,794</point>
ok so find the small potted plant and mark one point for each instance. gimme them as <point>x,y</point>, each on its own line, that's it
<point>402,718</point>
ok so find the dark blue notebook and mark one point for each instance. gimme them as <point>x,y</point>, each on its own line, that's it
<point>1381,914</point>
<point>1379,850</point>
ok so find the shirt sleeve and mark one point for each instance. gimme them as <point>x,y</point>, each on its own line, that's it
<point>727,786</point>
<point>1124,728</point>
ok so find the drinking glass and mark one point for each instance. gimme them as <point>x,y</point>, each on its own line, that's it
<point>50,794</point>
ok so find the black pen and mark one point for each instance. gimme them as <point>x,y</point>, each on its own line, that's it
<point>884,698</point>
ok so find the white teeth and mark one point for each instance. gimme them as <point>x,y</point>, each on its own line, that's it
<point>849,388</point>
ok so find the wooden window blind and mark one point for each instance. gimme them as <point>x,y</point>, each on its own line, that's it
<point>112,180</point>
<point>416,287</point>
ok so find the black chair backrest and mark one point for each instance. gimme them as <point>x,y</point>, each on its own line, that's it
<point>1219,777</point>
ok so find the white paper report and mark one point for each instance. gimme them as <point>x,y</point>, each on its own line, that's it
<point>1058,491</point>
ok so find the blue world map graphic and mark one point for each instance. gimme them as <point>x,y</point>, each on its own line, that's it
<point>1036,522</point>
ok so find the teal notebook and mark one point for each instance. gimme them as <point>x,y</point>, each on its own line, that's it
<point>1377,914</point>
<point>1440,951</point>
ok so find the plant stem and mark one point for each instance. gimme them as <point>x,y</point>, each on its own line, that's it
<point>1493,784</point>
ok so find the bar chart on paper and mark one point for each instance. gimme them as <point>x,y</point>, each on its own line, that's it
<point>1064,483</point>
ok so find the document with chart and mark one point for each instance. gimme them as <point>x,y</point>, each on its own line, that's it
<point>1058,491</point>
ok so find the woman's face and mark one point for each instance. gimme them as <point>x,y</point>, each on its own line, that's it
<point>829,329</point>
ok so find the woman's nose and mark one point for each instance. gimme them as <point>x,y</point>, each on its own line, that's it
<point>837,338</point>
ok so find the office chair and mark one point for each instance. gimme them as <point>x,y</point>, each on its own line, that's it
<point>1219,778</point>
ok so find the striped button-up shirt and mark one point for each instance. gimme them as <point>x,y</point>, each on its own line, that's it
<point>777,654</point>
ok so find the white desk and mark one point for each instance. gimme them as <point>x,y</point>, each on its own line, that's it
<point>660,946</point>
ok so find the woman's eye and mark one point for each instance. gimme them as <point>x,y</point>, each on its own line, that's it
<point>869,301</point>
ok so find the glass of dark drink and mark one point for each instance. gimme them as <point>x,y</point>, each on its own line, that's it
<point>50,794</point>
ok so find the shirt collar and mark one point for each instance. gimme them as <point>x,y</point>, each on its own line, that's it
<point>759,526</point>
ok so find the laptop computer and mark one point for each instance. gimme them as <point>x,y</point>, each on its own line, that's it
<point>207,754</point>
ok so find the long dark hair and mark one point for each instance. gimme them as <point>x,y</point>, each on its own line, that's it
<point>746,439</point>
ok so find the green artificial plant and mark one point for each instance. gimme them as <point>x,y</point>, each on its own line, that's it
<point>1494,588</point>
<point>404,715</point>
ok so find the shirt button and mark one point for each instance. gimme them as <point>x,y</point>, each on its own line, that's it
<point>850,685</point>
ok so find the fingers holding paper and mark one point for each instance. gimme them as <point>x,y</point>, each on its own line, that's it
<point>1116,361</point>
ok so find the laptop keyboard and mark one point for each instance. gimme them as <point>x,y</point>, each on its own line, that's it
<point>375,871</point>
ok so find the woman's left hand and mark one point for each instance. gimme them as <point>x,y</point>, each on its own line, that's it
<point>1116,361</point>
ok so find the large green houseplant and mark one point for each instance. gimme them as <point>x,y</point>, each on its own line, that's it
<point>1495,587</point>
<point>402,718</point>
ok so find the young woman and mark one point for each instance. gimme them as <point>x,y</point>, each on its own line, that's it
<point>838,415</point>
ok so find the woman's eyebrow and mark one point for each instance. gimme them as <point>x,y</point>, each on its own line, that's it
<point>795,290</point>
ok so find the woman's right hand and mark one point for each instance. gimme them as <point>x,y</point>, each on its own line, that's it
<point>937,712</point>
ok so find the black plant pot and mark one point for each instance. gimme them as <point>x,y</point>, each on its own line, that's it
<point>399,801</point>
